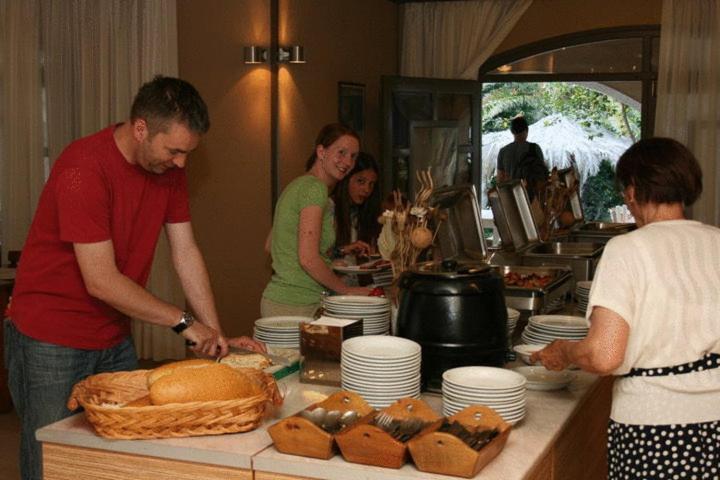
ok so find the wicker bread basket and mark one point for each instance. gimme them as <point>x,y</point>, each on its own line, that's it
<point>104,395</point>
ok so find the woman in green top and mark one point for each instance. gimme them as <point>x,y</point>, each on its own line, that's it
<point>303,232</point>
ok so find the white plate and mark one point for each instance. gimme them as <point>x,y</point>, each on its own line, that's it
<point>486,378</point>
<point>376,347</point>
<point>540,378</point>
<point>561,321</point>
<point>355,300</point>
<point>527,349</point>
<point>483,392</point>
<point>393,362</point>
<point>513,314</point>
<point>281,323</point>
<point>354,269</point>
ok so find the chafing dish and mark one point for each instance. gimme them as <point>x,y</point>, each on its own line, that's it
<point>536,299</point>
<point>599,232</point>
<point>582,257</point>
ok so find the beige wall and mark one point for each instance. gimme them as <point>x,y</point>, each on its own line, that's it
<point>344,40</point>
<point>550,18</point>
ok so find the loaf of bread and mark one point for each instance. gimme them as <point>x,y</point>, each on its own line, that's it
<point>200,381</point>
<point>249,360</point>
<point>171,367</point>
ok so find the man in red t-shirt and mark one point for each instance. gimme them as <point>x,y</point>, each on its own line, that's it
<point>88,256</point>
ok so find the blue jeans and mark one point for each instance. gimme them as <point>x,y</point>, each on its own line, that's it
<point>41,376</point>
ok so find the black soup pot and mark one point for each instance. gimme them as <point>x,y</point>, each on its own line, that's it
<point>456,312</point>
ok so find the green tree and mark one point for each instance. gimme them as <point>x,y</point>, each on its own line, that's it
<point>600,193</point>
<point>504,101</point>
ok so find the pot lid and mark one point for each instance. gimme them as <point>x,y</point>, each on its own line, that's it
<point>513,215</point>
<point>451,268</point>
<point>459,229</point>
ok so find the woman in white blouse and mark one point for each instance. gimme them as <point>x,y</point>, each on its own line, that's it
<point>654,309</point>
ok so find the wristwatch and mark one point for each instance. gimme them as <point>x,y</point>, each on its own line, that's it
<point>186,320</point>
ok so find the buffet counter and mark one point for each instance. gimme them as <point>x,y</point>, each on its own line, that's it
<point>562,436</point>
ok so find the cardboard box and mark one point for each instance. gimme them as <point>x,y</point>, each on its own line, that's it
<point>321,347</point>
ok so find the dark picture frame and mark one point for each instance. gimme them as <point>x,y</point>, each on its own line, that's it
<point>351,106</point>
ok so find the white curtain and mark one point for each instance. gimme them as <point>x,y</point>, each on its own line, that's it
<point>452,39</point>
<point>688,94</point>
<point>96,54</point>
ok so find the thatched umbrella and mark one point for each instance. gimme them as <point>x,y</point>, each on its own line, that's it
<point>558,136</point>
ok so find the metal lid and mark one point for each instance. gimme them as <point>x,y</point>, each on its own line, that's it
<point>460,233</point>
<point>570,178</point>
<point>451,268</point>
<point>513,215</point>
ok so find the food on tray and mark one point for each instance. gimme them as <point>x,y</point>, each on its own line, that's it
<point>374,264</point>
<point>198,381</point>
<point>531,280</point>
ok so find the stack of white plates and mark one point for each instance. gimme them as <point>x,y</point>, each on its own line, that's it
<point>283,332</point>
<point>513,316</point>
<point>582,292</point>
<point>382,369</point>
<point>544,329</point>
<point>374,311</point>
<point>383,278</point>
<point>497,388</point>
<point>540,378</point>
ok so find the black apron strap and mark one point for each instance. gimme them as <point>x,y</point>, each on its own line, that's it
<point>709,361</point>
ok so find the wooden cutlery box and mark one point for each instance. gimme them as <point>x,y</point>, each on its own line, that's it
<point>444,453</point>
<point>368,444</point>
<point>297,435</point>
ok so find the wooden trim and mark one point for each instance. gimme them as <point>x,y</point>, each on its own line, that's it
<point>61,462</point>
<point>277,476</point>
<point>567,40</point>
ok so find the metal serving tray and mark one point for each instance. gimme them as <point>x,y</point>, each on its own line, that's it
<point>599,232</point>
<point>513,216</point>
<point>580,256</point>
<point>569,178</point>
<point>535,299</point>
<point>460,233</point>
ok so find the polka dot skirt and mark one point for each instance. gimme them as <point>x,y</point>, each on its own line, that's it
<point>690,451</point>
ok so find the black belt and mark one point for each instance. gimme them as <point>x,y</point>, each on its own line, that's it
<point>708,362</point>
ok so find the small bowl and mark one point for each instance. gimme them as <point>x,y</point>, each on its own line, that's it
<point>527,349</point>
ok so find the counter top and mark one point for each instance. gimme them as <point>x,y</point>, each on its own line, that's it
<point>529,442</point>
<point>230,450</point>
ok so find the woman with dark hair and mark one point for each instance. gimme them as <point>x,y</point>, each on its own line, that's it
<point>653,310</point>
<point>303,233</point>
<point>357,208</point>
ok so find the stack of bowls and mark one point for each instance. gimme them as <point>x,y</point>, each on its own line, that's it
<point>582,292</point>
<point>513,316</point>
<point>374,311</point>
<point>382,369</point>
<point>544,329</point>
<point>502,390</point>
<point>281,332</point>
<point>512,319</point>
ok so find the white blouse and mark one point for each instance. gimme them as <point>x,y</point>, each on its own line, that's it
<point>664,280</point>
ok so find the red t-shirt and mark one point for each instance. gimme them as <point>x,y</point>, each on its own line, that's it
<point>93,194</point>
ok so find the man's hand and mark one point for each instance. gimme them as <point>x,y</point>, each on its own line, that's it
<point>247,343</point>
<point>203,339</point>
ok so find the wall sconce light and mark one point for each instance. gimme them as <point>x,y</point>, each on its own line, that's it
<point>291,54</point>
<point>254,54</point>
